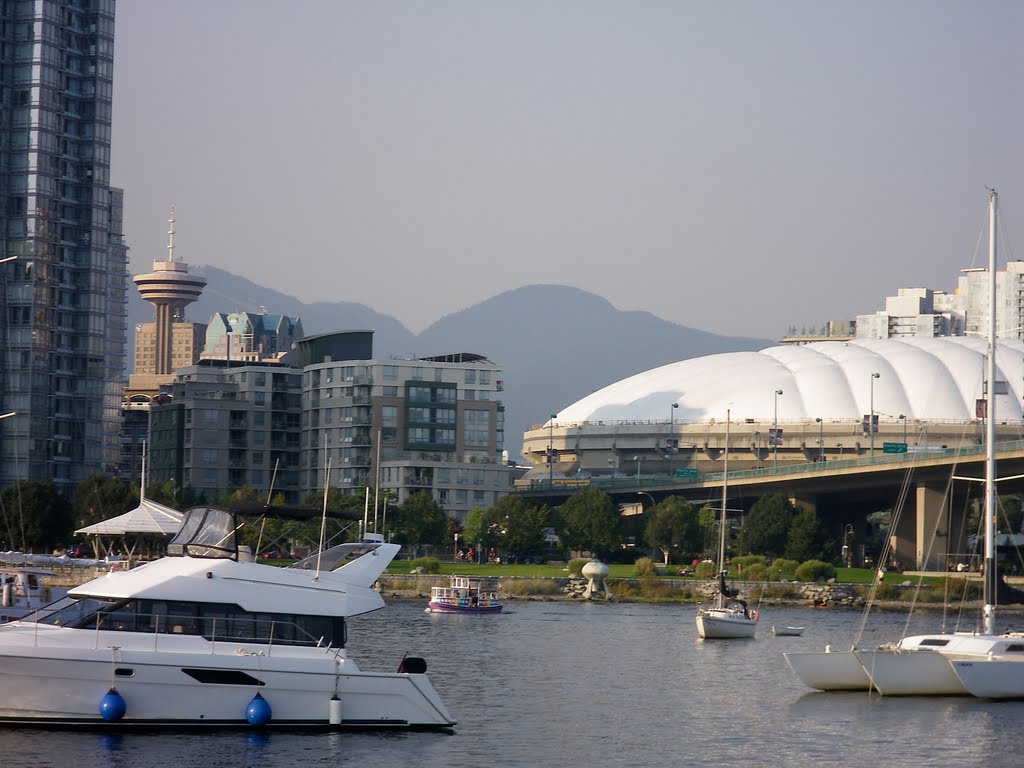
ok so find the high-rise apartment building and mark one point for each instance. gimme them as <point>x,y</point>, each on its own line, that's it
<point>432,424</point>
<point>64,276</point>
<point>913,312</point>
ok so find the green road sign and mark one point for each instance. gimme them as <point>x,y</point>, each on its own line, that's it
<point>894,447</point>
<point>687,474</point>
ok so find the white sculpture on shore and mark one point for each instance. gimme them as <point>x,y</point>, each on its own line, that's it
<point>595,573</point>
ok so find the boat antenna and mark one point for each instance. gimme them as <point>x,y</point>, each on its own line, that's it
<point>323,517</point>
<point>142,483</point>
<point>270,496</point>
<point>376,483</point>
<point>384,516</point>
<point>366,512</point>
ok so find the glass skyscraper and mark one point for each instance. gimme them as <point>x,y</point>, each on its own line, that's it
<point>64,274</point>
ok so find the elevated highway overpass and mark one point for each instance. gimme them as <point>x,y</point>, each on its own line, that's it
<point>929,493</point>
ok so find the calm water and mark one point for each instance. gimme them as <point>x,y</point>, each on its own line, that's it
<point>555,684</point>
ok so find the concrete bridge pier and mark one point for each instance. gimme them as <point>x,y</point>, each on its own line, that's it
<point>919,539</point>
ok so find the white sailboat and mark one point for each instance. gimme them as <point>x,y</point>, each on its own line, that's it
<point>728,617</point>
<point>935,664</point>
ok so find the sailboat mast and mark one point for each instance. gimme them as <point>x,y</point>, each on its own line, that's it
<point>990,428</point>
<point>725,493</point>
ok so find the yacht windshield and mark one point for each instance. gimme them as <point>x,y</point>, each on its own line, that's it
<point>205,532</point>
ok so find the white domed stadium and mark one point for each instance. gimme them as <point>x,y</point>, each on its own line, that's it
<point>815,400</point>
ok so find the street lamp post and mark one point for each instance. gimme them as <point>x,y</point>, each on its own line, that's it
<point>840,447</point>
<point>637,460</point>
<point>871,416</point>
<point>903,418</point>
<point>551,455</point>
<point>456,555</point>
<point>757,456</point>
<point>775,431</point>
<point>821,438</point>
<point>669,447</point>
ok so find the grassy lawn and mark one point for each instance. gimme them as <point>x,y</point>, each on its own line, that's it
<point>628,571</point>
<point>615,571</point>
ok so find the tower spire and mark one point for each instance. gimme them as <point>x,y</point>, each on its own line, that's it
<point>170,236</point>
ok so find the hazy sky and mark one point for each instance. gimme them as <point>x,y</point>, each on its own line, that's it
<point>731,166</point>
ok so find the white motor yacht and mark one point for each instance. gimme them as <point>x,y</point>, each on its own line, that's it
<point>200,638</point>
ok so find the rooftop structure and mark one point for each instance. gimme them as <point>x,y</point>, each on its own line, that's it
<point>250,336</point>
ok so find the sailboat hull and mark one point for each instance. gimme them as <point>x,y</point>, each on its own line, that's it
<point>911,673</point>
<point>827,671</point>
<point>991,678</point>
<point>724,625</point>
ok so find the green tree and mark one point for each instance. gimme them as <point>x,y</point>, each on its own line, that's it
<point>168,494</point>
<point>100,497</point>
<point>481,528</point>
<point>35,515</point>
<point>766,527</point>
<point>244,493</point>
<point>708,518</point>
<point>808,539</point>
<point>591,521</point>
<point>419,520</point>
<point>673,527</point>
<point>521,525</point>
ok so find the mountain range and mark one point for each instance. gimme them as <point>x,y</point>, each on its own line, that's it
<point>554,343</point>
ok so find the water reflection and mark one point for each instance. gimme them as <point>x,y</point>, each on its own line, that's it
<point>604,685</point>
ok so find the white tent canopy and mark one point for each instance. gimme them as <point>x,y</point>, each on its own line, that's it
<point>149,518</point>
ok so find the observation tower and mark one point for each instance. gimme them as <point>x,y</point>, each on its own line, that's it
<point>169,288</point>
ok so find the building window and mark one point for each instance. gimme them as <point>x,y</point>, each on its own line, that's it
<point>391,373</point>
<point>390,391</point>
<point>485,377</point>
<point>417,374</point>
<point>470,376</point>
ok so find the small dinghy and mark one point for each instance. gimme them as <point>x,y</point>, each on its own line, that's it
<point>788,630</point>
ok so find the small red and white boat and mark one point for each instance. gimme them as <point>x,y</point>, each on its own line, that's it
<point>463,595</point>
